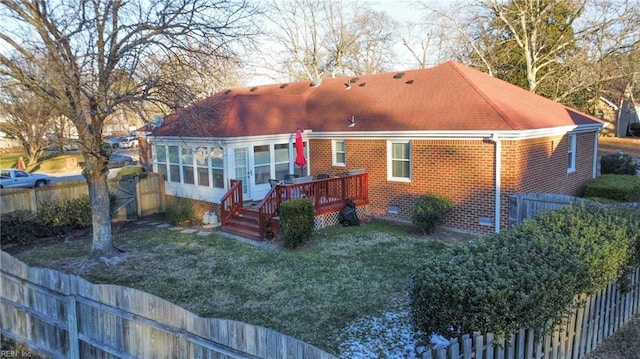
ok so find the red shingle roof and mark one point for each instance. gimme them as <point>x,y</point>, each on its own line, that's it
<point>448,97</point>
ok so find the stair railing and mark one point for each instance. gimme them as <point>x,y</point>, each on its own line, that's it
<point>268,208</point>
<point>231,201</point>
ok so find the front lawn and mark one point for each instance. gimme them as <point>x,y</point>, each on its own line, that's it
<point>313,293</point>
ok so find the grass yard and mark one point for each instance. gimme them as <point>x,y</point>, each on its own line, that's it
<point>48,162</point>
<point>313,293</point>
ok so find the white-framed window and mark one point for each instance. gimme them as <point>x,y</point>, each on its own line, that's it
<point>161,160</point>
<point>571,163</point>
<point>183,164</point>
<point>281,160</point>
<point>187,166</point>
<point>174,164</point>
<point>339,153</point>
<point>399,160</point>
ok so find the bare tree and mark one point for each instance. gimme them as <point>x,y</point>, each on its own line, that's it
<point>95,56</point>
<point>28,119</point>
<point>429,41</point>
<point>321,38</point>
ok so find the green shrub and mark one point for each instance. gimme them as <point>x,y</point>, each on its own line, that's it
<point>18,227</point>
<point>429,210</point>
<point>618,164</point>
<point>296,222</point>
<point>602,238</point>
<point>526,278</point>
<point>180,211</point>
<point>63,216</point>
<point>621,188</point>
<point>497,285</point>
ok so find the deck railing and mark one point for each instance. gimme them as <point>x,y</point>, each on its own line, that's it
<point>231,201</point>
<point>327,195</point>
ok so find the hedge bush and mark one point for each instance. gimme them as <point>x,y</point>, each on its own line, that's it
<point>618,164</point>
<point>20,227</point>
<point>620,188</point>
<point>526,278</point>
<point>296,222</point>
<point>429,210</point>
<point>65,215</point>
<point>53,218</point>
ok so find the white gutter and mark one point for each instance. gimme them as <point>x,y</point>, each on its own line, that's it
<point>498,165</point>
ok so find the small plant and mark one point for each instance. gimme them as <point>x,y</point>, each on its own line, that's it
<point>618,164</point>
<point>180,211</point>
<point>429,211</point>
<point>296,222</point>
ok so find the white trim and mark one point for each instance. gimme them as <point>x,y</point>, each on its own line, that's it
<point>573,147</point>
<point>454,135</point>
<point>385,135</point>
<point>390,176</point>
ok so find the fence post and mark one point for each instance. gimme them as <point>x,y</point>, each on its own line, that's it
<point>33,199</point>
<point>72,325</point>
<point>136,186</point>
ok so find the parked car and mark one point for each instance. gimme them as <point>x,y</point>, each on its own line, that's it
<point>15,178</point>
<point>118,160</point>
<point>128,142</point>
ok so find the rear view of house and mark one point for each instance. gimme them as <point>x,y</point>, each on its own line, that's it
<point>448,130</point>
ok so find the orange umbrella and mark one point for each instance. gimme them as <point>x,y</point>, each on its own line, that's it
<point>301,161</point>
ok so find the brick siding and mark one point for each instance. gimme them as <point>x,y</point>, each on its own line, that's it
<point>463,170</point>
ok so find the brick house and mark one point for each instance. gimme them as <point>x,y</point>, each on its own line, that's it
<point>448,130</point>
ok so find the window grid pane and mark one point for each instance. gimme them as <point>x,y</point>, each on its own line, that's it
<point>400,160</point>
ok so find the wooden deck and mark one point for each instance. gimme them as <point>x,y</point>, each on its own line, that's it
<point>327,195</point>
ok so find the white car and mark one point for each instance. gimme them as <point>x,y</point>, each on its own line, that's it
<point>128,142</point>
<point>15,178</point>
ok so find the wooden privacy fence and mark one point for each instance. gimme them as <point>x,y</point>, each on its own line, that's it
<point>588,326</point>
<point>136,195</point>
<point>65,316</point>
<point>527,205</point>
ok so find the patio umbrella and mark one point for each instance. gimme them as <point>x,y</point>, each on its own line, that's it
<point>300,160</point>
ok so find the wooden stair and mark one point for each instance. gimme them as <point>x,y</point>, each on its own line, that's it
<point>244,223</point>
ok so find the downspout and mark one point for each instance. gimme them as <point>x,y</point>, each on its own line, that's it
<point>498,168</point>
<point>594,173</point>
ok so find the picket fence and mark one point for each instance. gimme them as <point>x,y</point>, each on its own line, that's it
<point>65,316</point>
<point>600,317</point>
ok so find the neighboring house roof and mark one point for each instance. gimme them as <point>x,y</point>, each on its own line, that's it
<point>448,97</point>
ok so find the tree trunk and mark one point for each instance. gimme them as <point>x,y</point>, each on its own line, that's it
<point>100,218</point>
<point>95,171</point>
